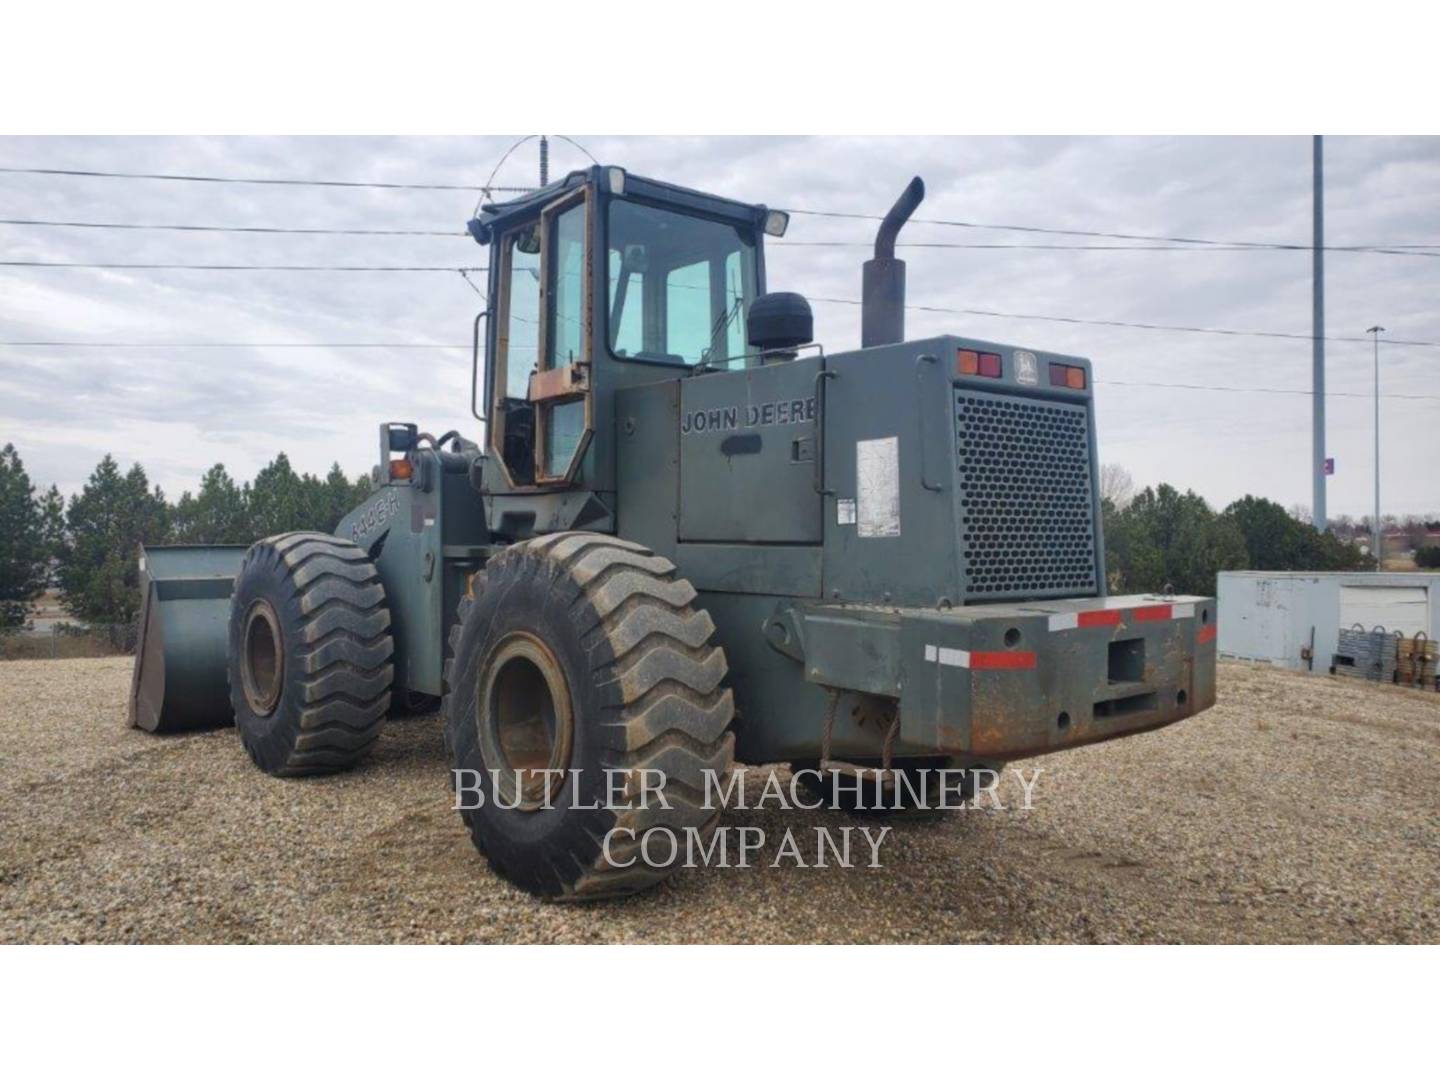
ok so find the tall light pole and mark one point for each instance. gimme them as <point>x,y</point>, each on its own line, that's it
<point>1317,349</point>
<point>1376,538</point>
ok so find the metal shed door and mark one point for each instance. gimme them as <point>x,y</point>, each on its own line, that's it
<point>1395,607</point>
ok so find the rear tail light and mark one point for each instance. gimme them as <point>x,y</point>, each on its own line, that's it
<point>1068,376</point>
<point>971,362</point>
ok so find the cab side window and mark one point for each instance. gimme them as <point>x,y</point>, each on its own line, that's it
<point>520,334</point>
<point>565,342</point>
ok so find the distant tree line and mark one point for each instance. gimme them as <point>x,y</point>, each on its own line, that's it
<point>1162,538</point>
<point>86,548</point>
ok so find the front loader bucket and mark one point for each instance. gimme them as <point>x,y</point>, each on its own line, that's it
<point>179,682</point>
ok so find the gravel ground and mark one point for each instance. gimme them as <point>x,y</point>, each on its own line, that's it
<point>1300,809</point>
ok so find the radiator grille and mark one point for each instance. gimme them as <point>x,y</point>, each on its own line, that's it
<point>1027,527</point>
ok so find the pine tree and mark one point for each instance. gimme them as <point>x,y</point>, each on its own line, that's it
<point>276,499</point>
<point>340,496</point>
<point>53,532</point>
<point>218,515</point>
<point>24,565</point>
<point>107,522</point>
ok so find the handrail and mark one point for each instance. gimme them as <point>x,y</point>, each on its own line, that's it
<point>920,363</point>
<point>821,377</point>
<point>475,364</point>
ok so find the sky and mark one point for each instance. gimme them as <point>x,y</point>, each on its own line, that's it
<point>180,410</point>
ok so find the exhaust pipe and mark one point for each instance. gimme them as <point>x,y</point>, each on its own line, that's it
<point>882,311</point>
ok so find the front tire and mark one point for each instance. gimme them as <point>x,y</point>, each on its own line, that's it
<point>581,654</point>
<point>310,648</point>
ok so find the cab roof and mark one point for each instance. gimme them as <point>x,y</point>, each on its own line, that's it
<point>496,214</point>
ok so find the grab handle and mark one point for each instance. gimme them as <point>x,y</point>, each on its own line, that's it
<point>920,363</point>
<point>821,377</point>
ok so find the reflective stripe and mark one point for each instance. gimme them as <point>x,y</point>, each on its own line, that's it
<point>1003,661</point>
<point>980,661</point>
<point>950,657</point>
<point>1073,620</point>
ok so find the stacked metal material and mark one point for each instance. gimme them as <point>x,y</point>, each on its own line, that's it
<point>1366,654</point>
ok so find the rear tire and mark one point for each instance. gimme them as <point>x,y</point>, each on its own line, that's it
<point>581,652</point>
<point>310,648</point>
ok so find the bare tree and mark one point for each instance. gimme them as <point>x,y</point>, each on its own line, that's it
<point>1117,485</point>
<point>1300,512</point>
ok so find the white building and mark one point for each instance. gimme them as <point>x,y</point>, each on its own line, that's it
<point>1281,617</point>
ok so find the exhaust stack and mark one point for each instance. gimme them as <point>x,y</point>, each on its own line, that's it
<point>882,311</point>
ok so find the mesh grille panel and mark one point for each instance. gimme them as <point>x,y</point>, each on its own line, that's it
<point>1026,523</point>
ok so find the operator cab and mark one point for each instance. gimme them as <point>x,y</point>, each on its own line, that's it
<point>599,281</point>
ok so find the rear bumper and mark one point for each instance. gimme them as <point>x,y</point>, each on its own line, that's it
<point>1014,680</point>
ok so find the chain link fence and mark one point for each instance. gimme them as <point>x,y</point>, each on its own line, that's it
<point>68,641</point>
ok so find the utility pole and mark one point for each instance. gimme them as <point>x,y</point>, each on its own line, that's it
<point>1376,536</point>
<point>1317,332</point>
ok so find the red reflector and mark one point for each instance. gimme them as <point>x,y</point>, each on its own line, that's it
<point>1206,635</point>
<point>995,661</point>
<point>990,365</point>
<point>1099,618</point>
<point>967,362</point>
<point>1158,613</point>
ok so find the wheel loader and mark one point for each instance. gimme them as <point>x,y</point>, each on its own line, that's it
<point>687,535</point>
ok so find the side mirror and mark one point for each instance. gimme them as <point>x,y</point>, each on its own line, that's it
<point>475,379</point>
<point>528,241</point>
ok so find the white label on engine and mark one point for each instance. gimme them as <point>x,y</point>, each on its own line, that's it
<point>844,511</point>
<point>877,487</point>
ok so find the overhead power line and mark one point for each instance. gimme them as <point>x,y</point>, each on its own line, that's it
<point>245,266</point>
<point>1114,247</point>
<point>463,347</point>
<point>258,180</point>
<point>1389,249</point>
<point>1262,390</point>
<point>233,228</point>
<point>932,309</point>
<point>1414,249</point>
<point>464,270</point>
<point>1430,251</point>
<point>1126,325</point>
<point>1100,235</point>
<point>226,345</point>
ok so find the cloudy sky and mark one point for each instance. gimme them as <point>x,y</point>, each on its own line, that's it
<point>178,410</point>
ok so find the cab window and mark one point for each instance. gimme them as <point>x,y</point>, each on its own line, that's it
<point>520,332</point>
<point>678,286</point>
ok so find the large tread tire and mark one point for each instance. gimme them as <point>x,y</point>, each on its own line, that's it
<point>332,671</point>
<point>645,684</point>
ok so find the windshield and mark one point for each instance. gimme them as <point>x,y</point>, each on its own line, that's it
<point>678,286</point>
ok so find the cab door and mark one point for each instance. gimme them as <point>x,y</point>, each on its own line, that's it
<point>560,387</point>
<point>542,417</point>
